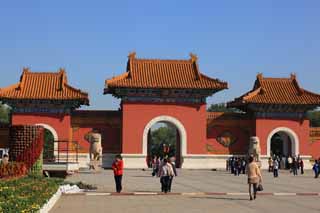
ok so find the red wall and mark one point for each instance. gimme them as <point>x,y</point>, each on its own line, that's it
<point>300,127</point>
<point>60,122</point>
<point>240,129</point>
<point>110,137</point>
<point>137,115</point>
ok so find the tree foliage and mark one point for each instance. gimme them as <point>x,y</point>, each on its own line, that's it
<point>4,114</point>
<point>314,117</point>
<point>221,107</point>
<point>163,135</point>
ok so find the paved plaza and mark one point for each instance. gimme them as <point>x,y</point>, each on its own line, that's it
<point>199,181</point>
<point>194,183</point>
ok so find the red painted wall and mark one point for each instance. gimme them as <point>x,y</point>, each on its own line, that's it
<point>300,127</point>
<point>241,130</point>
<point>110,137</point>
<point>60,122</point>
<point>137,115</point>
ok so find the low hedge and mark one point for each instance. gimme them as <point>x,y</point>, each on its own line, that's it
<point>12,169</point>
<point>27,194</point>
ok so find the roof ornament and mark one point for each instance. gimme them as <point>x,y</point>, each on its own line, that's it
<point>260,76</point>
<point>26,70</point>
<point>293,76</point>
<point>63,78</point>
<point>194,58</point>
<point>132,55</point>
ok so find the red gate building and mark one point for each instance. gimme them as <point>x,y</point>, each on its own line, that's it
<point>154,91</point>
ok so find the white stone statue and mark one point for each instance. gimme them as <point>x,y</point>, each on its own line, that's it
<point>94,138</point>
<point>254,148</point>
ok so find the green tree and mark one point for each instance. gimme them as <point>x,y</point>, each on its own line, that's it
<point>221,107</point>
<point>314,117</point>
<point>4,114</point>
<point>163,135</point>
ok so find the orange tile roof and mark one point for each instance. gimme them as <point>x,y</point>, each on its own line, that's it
<point>43,85</point>
<point>156,73</point>
<point>282,91</point>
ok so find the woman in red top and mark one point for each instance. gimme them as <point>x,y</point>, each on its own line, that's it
<point>117,168</point>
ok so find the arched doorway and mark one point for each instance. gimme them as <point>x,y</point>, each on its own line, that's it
<point>180,136</point>
<point>281,144</point>
<point>50,148</point>
<point>283,141</point>
<point>164,142</point>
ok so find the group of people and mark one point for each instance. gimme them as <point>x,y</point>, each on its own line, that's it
<point>292,163</point>
<point>236,165</point>
<point>165,169</point>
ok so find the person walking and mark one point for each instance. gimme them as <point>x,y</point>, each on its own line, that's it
<point>290,161</point>
<point>315,169</point>
<point>275,168</point>
<point>165,172</point>
<point>270,161</point>
<point>174,169</point>
<point>117,168</point>
<point>295,166</point>
<point>254,177</point>
<point>301,166</point>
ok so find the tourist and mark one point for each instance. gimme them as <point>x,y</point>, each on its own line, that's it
<point>5,159</point>
<point>232,163</point>
<point>290,161</point>
<point>301,163</point>
<point>155,165</point>
<point>294,166</point>
<point>254,177</point>
<point>236,167</point>
<point>316,169</point>
<point>243,166</point>
<point>117,168</point>
<point>275,168</point>
<point>270,164</point>
<point>174,168</point>
<point>165,173</point>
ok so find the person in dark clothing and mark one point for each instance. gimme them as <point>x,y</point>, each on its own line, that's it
<point>173,165</point>
<point>117,168</point>
<point>232,166</point>
<point>315,168</point>
<point>165,173</point>
<point>301,166</point>
<point>236,167</point>
<point>294,166</point>
<point>243,165</point>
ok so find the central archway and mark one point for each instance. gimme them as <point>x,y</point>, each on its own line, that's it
<point>282,133</point>
<point>179,126</point>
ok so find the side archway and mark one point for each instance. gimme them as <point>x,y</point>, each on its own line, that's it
<point>55,136</point>
<point>293,138</point>
<point>169,119</point>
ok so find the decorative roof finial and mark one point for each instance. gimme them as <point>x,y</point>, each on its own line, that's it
<point>293,76</point>
<point>132,55</point>
<point>62,70</point>
<point>193,57</point>
<point>260,76</point>
<point>25,69</point>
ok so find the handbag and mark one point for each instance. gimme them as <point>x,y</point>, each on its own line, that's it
<point>259,187</point>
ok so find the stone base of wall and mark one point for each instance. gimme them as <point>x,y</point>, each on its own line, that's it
<point>138,161</point>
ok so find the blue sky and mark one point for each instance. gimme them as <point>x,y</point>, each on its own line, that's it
<point>234,40</point>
